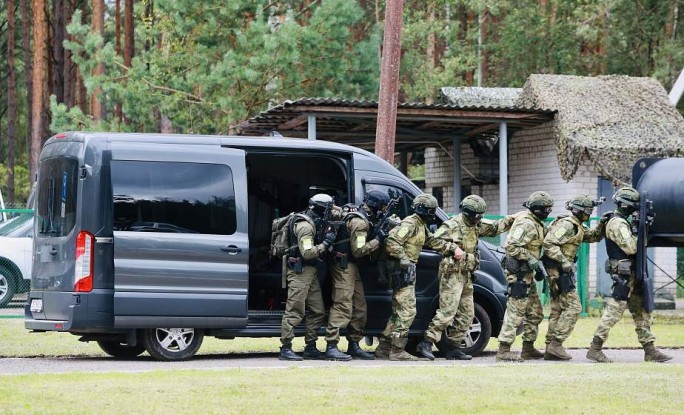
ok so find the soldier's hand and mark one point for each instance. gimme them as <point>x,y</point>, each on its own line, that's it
<point>381,235</point>
<point>329,238</point>
<point>533,263</point>
<point>405,263</point>
<point>458,253</point>
<point>570,268</point>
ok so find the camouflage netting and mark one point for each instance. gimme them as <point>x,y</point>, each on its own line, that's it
<point>611,120</point>
<point>481,97</point>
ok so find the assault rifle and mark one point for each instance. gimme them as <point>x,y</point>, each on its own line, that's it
<point>382,223</point>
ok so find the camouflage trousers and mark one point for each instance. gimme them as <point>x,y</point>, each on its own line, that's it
<point>527,311</point>
<point>303,294</point>
<point>456,309</point>
<point>565,310</point>
<point>349,304</point>
<point>403,312</point>
<point>613,311</point>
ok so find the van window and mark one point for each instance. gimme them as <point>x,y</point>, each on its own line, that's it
<point>401,209</point>
<point>173,197</point>
<point>56,204</point>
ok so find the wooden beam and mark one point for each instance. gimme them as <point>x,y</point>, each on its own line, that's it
<point>294,122</point>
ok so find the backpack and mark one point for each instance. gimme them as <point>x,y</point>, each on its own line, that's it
<point>282,233</point>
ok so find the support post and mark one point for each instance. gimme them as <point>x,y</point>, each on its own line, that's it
<point>311,118</point>
<point>456,151</point>
<point>503,169</point>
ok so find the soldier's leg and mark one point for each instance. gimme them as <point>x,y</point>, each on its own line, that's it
<point>341,308</point>
<point>465,314</point>
<point>642,319</point>
<point>450,291</point>
<point>359,314</point>
<point>534,314</point>
<point>297,291</point>
<point>315,309</point>
<point>392,321</point>
<point>572,307</point>
<point>406,313</point>
<point>554,315</point>
<point>612,313</point>
<point>515,312</point>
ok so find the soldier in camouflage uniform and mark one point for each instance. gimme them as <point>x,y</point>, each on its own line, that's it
<point>562,240</point>
<point>303,288</point>
<point>456,276</point>
<point>523,251</point>
<point>349,301</point>
<point>403,245</point>
<point>621,246</point>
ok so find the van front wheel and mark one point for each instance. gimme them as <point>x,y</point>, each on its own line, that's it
<point>172,343</point>
<point>119,350</point>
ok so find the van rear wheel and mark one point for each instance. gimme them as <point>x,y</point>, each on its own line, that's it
<point>172,343</point>
<point>8,287</point>
<point>120,350</point>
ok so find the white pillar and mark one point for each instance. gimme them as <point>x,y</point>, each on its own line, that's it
<point>312,126</point>
<point>456,173</point>
<point>503,169</point>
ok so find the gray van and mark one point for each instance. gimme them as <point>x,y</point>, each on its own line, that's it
<point>147,242</point>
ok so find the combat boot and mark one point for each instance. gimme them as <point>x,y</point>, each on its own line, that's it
<point>333,353</point>
<point>506,355</point>
<point>529,352</point>
<point>556,351</point>
<point>383,349</point>
<point>286,353</point>
<point>356,352</point>
<point>455,353</point>
<point>651,354</point>
<point>397,351</point>
<point>594,353</point>
<point>312,353</point>
<point>425,349</point>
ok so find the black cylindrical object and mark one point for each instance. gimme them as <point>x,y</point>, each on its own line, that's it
<point>662,182</point>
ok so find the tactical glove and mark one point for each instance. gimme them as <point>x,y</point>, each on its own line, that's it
<point>381,235</point>
<point>405,263</point>
<point>329,238</point>
<point>533,263</point>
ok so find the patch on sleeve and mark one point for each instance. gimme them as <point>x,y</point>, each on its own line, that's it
<point>307,242</point>
<point>360,239</point>
<point>625,233</point>
<point>517,233</point>
<point>403,231</point>
<point>559,233</point>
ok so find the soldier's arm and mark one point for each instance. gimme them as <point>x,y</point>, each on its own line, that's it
<point>394,245</point>
<point>440,245</point>
<point>559,234</point>
<point>445,231</point>
<point>522,232</point>
<point>594,234</point>
<point>305,239</point>
<point>620,232</point>
<point>358,232</point>
<point>489,227</point>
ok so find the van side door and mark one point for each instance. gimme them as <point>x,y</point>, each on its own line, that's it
<point>180,236</point>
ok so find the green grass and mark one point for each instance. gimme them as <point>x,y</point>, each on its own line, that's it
<point>15,341</point>
<point>500,389</point>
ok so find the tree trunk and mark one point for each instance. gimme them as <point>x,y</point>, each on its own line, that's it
<point>117,110</point>
<point>129,33</point>
<point>28,81</point>
<point>97,108</point>
<point>80,86</point>
<point>39,58</point>
<point>69,67</point>
<point>58,71</point>
<point>11,101</point>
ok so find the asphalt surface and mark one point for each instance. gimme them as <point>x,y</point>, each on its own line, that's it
<point>13,366</point>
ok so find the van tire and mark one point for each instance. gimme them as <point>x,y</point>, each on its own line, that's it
<point>172,344</point>
<point>119,350</point>
<point>478,335</point>
<point>8,286</point>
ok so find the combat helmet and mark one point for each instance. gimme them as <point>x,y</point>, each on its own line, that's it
<point>473,207</point>
<point>627,196</point>
<point>376,201</point>
<point>425,206</point>
<point>540,203</point>
<point>581,204</point>
<point>319,202</point>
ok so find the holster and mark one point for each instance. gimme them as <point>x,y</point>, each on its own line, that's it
<point>551,263</point>
<point>341,259</point>
<point>518,289</point>
<point>296,264</point>
<point>515,266</point>
<point>566,282</point>
<point>620,287</point>
<point>623,267</point>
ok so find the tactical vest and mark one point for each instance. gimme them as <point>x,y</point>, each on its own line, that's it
<point>614,251</point>
<point>535,245</point>
<point>569,248</point>
<point>343,242</point>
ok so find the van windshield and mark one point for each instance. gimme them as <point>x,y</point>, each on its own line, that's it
<point>56,202</point>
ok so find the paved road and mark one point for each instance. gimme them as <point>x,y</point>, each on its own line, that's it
<point>9,366</point>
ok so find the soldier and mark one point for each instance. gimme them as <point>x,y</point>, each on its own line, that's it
<point>621,246</point>
<point>456,276</point>
<point>562,240</point>
<point>303,288</point>
<point>523,250</point>
<point>403,245</point>
<point>349,301</point>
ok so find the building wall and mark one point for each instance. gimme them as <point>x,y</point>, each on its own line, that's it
<point>532,166</point>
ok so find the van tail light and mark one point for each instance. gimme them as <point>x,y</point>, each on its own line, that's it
<point>83,270</point>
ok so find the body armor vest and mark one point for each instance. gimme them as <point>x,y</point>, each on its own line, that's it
<point>343,243</point>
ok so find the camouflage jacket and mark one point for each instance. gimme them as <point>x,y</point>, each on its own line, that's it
<point>619,231</point>
<point>406,240</point>
<point>564,236</point>
<point>525,237</point>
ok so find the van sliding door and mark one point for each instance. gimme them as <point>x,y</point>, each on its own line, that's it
<point>180,236</point>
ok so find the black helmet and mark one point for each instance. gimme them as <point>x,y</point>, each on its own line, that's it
<point>376,201</point>
<point>319,203</point>
<point>425,206</point>
<point>540,203</point>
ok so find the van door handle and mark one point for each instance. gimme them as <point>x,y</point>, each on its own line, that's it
<point>231,249</point>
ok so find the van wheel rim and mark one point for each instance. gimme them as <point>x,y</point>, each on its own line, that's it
<point>175,340</point>
<point>473,333</point>
<point>4,286</point>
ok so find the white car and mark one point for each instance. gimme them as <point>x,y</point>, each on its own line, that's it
<point>16,256</point>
